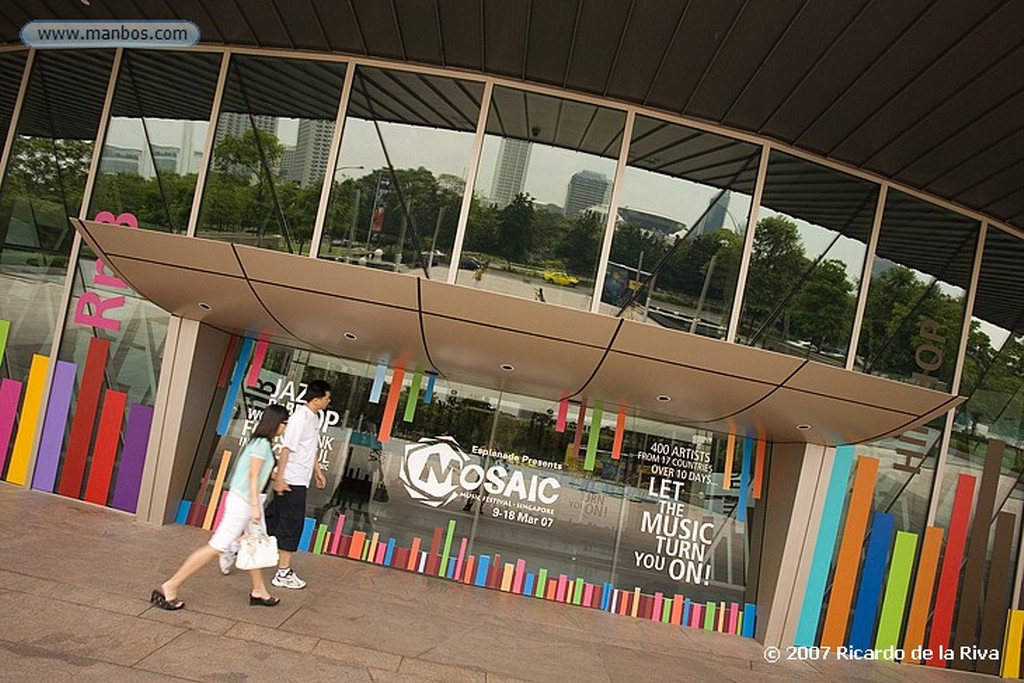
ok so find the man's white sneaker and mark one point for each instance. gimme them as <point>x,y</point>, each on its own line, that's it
<point>227,561</point>
<point>289,580</point>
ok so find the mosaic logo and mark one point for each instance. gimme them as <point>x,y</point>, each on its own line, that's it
<point>437,471</point>
<point>430,470</point>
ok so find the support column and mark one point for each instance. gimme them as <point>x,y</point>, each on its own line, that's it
<point>188,380</point>
<point>795,495</point>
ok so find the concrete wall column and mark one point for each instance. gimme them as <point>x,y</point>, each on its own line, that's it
<point>794,497</point>
<point>193,354</point>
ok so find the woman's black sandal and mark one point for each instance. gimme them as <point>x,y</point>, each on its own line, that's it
<point>268,601</point>
<point>157,598</point>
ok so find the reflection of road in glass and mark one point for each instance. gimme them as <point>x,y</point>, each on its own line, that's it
<point>525,287</point>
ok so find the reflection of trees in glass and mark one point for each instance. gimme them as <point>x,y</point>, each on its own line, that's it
<point>682,277</point>
<point>897,304</point>
<point>529,237</point>
<point>993,382</point>
<point>793,296</point>
<point>42,187</point>
<point>515,229</point>
<point>126,192</point>
<point>246,192</point>
<point>433,206</point>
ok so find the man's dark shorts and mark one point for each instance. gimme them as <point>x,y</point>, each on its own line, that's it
<point>286,514</point>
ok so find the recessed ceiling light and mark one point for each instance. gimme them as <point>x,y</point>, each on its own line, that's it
<point>507,367</point>
<point>350,336</point>
<point>205,306</point>
<point>664,398</point>
<point>803,427</point>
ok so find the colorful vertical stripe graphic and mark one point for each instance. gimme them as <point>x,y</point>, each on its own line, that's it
<point>86,412</point>
<point>233,388</point>
<point>51,441</point>
<point>821,560</point>
<point>436,556</point>
<point>133,458</point>
<point>17,471</point>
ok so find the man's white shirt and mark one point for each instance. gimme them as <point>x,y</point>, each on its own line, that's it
<point>301,439</point>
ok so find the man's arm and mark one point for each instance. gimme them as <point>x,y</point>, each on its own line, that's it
<point>279,483</point>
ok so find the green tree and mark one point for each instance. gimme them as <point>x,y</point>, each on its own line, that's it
<point>822,312</point>
<point>776,264</point>
<point>515,229</point>
<point>581,244</point>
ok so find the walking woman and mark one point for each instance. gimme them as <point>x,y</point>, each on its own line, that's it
<point>241,507</point>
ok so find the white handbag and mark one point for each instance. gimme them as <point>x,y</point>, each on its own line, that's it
<point>257,550</point>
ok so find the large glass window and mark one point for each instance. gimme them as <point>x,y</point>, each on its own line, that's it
<point>156,135</point>
<point>680,227</point>
<point>423,126</point>
<point>43,185</point>
<point>993,378</point>
<point>270,152</point>
<point>813,229</point>
<point>915,306</point>
<point>12,64</point>
<point>541,197</point>
<point>664,517</point>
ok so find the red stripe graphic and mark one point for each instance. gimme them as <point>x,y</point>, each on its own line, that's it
<point>105,451</point>
<point>85,418</point>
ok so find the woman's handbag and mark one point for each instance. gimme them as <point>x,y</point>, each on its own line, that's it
<point>258,550</point>
<point>380,494</point>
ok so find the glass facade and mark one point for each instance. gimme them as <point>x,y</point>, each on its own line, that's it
<point>915,304</point>
<point>401,171</point>
<point>624,521</point>
<point>541,198</point>
<point>43,185</point>
<point>12,65</point>
<point>679,229</point>
<point>812,234</point>
<point>273,137</point>
<point>155,137</point>
<point>522,205</point>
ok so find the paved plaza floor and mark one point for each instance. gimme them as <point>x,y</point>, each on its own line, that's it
<point>75,581</point>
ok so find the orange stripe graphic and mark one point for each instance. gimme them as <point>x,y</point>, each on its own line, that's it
<point>838,614</point>
<point>921,603</point>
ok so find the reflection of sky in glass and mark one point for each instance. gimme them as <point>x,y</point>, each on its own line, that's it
<point>441,151</point>
<point>817,239</point>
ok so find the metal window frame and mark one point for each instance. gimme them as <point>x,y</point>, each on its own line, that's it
<point>332,162</point>
<point>965,329</point>
<point>472,172</point>
<point>748,243</point>
<point>613,210</point>
<point>211,133</point>
<point>865,277</point>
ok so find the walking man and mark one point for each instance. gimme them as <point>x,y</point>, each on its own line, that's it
<point>296,466</point>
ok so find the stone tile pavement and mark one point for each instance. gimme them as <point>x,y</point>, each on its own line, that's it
<point>75,581</point>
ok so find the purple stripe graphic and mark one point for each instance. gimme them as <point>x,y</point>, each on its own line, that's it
<point>51,443</point>
<point>10,392</point>
<point>133,457</point>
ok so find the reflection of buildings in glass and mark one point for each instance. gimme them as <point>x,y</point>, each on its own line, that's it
<point>120,160</point>
<point>235,124</point>
<point>306,162</point>
<point>187,156</point>
<point>510,172</point>
<point>586,189</point>
<point>650,223</point>
<point>714,219</point>
<point>159,158</point>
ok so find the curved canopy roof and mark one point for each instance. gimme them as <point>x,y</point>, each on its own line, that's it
<point>926,93</point>
<point>466,334</point>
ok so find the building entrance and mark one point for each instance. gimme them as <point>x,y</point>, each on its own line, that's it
<point>567,501</point>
